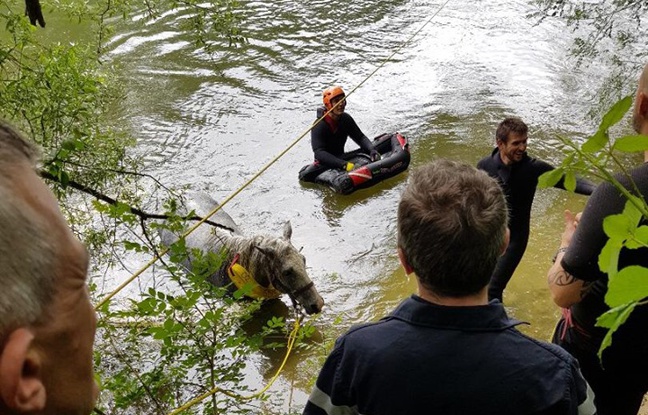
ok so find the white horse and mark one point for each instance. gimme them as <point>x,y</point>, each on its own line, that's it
<point>273,262</point>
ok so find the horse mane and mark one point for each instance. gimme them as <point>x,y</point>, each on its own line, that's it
<point>250,250</point>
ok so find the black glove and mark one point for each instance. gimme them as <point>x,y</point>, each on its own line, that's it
<point>374,155</point>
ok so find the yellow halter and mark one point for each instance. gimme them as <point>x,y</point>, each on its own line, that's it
<point>242,279</point>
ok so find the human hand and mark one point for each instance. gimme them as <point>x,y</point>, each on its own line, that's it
<point>349,166</point>
<point>571,223</point>
<point>374,155</point>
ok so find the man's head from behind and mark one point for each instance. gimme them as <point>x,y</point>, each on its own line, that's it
<point>452,227</point>
<point>47,323</point>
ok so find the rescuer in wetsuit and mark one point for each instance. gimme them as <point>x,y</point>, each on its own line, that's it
<point>518,174</point>
<point>329,136</point>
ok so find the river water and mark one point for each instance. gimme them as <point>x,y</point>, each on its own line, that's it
<point>212,121</point>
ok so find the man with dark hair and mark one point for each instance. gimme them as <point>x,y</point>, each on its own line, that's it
<point>47,323</point>
<point>620,379</point>
<point>447,350</point>
<point>518,174</point>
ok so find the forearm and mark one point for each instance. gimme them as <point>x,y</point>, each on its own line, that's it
<point>565,289</point>
<point>365,144</point>
<point>585,187</point>
<point>329,160</point>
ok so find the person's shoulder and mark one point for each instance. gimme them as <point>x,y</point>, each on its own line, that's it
<point>359,334</point>
<point>346,117</point>
<point>536,162</point>
<point>487,161</point>
<point>543,351</point>
<point>638,174</point>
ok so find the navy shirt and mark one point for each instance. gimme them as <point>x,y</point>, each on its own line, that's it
<point>431,359</point>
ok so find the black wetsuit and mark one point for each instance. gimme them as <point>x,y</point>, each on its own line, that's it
<point>621,385</point>
<point>519,181</point>
<point>329,136</point>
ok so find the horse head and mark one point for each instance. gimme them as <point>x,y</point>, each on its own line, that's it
<point>276,262</point>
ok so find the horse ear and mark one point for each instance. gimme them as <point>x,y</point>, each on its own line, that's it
<point>287,231</point>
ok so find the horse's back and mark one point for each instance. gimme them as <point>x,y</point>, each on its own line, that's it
<point>203,205</point>
<point>206,236</point>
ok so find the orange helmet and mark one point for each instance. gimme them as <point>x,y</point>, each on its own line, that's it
<point>330,93</point>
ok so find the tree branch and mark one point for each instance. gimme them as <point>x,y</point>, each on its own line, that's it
<point>135,211</point>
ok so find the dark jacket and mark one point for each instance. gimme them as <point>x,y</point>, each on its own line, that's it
<point>430,359</point>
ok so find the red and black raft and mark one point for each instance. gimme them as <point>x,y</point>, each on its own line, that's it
<point>395,158</point>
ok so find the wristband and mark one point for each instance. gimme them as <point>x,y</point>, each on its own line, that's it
<point>558,252</point>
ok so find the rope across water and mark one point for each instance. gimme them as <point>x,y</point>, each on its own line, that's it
<point>293,334</point>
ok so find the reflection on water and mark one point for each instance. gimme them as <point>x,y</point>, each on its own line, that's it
<point>211,122</point>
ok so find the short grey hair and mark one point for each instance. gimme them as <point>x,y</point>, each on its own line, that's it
<point>452,221</point>
<point>27,251</point>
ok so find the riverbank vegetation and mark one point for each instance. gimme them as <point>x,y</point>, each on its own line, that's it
<point>174,337</point>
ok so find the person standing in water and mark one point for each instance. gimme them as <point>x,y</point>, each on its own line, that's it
<point>517,174</point>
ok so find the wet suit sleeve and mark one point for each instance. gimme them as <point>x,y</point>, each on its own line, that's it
<point>319,135</point>
<point>581,259</point>
<point>583,186</point>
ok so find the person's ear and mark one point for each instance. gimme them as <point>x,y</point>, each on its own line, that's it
<point>642,105</point>
<point>406,266</point>
<point>21,386</point>
<point>507,239</point>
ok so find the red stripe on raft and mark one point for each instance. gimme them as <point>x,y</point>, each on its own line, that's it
<point>401,140</point>
<point>360,175</point>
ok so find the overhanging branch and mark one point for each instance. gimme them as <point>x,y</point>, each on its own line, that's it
<point>135,211</point>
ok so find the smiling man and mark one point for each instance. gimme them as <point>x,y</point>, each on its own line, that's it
<point>517,174</point>
<point>47,323</point>
<point>329,137</point>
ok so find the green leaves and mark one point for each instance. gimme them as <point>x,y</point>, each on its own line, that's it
<point>550,178</point>
<point>612,117</point>
<point>612,320</point>
<point>623,231</point>
<point>627,286</point>
<point>616,113</point>
<point>631,143</point>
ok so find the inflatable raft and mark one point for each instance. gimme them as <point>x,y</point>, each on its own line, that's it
<point>395,158</point>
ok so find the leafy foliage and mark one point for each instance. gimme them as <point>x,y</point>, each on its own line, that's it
<point>627,287</point>
<point>617,21</point>
<point>609,37</point>
<point>179,336</point>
